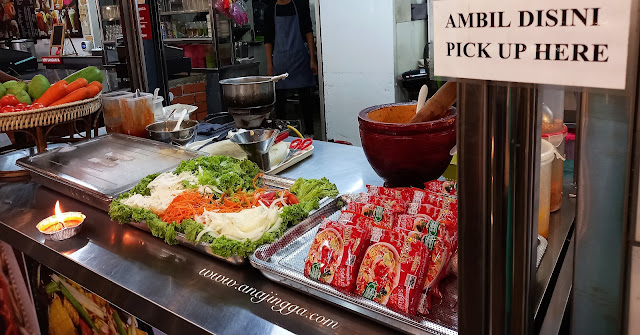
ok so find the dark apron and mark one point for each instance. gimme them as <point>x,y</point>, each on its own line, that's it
<point>290,53</point>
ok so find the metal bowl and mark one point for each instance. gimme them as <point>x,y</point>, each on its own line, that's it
<point>249,118</point>
<point>245,92</point>
<point>163,131</point>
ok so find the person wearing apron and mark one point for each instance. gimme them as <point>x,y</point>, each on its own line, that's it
<point>290,54</point>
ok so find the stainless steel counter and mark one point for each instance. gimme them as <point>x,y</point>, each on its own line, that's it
<point>173,288</point>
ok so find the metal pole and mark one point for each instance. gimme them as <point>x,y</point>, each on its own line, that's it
<point>133,43</point>
<point>499,160</point>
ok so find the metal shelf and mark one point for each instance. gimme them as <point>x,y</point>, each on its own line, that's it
<point>560,227</point>
<point>178,12</point>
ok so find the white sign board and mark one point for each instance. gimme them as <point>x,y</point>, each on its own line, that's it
<point>574,43</point>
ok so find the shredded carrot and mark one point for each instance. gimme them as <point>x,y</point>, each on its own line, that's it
<point>188,204</point>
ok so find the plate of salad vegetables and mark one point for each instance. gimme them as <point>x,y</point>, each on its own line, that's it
<point>221,203</point>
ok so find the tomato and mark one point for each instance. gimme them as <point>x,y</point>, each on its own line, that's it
<point>37,105</point>
<point>268,196</point>
<point>7,109</point>
<point>18,108</point>
<point>292,199</point>
<point>22,105</point>
<point>9,100</point>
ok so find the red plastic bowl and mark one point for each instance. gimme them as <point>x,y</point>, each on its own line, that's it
<point>406,154</point>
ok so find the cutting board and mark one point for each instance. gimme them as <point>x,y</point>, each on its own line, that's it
<point>227,148</point>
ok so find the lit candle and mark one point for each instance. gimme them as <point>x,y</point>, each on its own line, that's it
<point>60,220</point>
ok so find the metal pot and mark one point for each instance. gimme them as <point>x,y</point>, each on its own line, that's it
<point>247,92</point>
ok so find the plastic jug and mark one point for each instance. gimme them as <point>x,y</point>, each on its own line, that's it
<point>137,114</point>
<point>112,112</point>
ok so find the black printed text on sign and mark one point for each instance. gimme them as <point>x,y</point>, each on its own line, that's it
<point>573,43</point>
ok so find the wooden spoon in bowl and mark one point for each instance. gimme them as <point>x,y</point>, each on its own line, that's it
<point>438,106</point>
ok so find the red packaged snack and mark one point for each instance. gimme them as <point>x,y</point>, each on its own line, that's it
<point>325,254</point>
<point>442,187</point>
<point>355,219</point>
<point>415,208</point>
<point>405,194</point>
<point>437,200</point>
<point>392,269</point>
<point>437,240</point>
<point>382,216</point>
<point>354,244</point>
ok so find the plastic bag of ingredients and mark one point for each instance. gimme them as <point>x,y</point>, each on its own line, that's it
<point>392,269</point>
<point>405,194</point>
<point>438,241</point>
<point>437,200</point>
<point>355,241</point>
<point>442,187</point>
<point>355,219</point>
<point>336,253</point>
<point>383,210</point>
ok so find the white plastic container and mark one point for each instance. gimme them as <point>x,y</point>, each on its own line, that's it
<point>548,153</point>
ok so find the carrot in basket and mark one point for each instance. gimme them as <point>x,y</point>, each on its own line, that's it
<point>78,83</point>
<point>77,95</point>
<point>94,89</point>
<point>56,92</point>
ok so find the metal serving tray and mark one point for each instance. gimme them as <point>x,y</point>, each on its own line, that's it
<point>269,181</point>
<point>283,262</point>
<point>97,170</point>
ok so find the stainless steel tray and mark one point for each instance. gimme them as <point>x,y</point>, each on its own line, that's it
<point>270,181</point>
<point>97,170</point>
<point>283,262</point>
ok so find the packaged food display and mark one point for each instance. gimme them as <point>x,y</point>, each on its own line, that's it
<point>391,270</point>
<point>355,219</point>
<point>336,253</point>
<point>382,209</point>
<point>324,254</point>
<point>405,194</point>
<point>437,200</point>
<point>442,187</point>
<point>438,241</point>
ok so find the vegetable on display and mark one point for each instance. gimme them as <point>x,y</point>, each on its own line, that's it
<point>219,201</point>
<point>39,93</point>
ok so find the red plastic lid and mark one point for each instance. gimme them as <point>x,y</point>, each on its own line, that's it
<point>564,131</point>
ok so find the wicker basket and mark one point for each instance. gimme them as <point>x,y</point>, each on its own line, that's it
<point>49,115</point>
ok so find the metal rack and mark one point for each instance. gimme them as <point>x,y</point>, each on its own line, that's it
<point>173,9</point>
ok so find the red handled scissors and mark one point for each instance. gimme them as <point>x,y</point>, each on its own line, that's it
<point>300,144</point>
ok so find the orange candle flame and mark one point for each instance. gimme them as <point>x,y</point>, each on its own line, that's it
<point>58,212</point>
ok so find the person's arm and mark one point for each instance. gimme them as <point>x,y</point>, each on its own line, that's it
<point>269,37</point>
<point>312,53</point>
<point>5,77</point>
<point>268,49</point>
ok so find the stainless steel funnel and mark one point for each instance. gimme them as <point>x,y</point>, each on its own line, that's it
<point>256,143</point>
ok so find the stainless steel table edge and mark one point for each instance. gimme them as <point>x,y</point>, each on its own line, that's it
<point>65,266</point>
